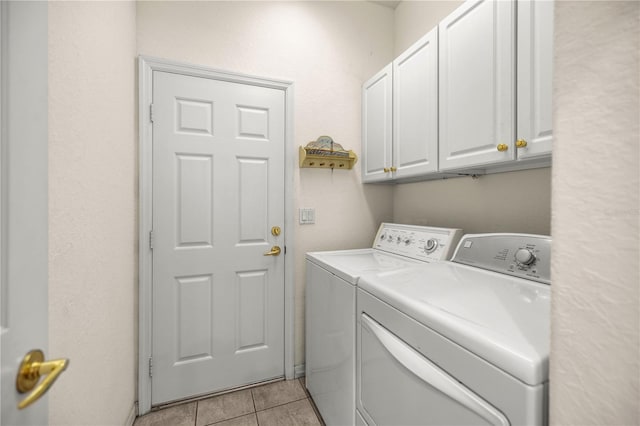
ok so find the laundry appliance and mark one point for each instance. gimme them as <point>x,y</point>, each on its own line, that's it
<point>332,277</point>
<point>461,342</point>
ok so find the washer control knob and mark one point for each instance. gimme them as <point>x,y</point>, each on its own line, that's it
<point>398,240</point>
<point>525,257</point>
<point>382,236</point>
<point>407,241</point>
<point>431,245</point>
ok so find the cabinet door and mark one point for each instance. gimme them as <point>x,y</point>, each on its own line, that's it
<point>535,72</point>
<point>376,126</point>
<point>477,70</point>
<point>415,108</point>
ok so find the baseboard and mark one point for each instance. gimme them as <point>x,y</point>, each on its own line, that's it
<point>298,371</point>
<point>132,414</point>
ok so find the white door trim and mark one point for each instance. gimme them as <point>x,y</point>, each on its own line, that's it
<point>146,66</point>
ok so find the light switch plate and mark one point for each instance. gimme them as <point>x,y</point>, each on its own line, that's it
<point>307,216</point>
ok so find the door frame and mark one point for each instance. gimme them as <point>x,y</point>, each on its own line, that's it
<point>146,66</point>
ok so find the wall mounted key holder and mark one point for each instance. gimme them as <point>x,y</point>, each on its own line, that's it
<point>325,153</point>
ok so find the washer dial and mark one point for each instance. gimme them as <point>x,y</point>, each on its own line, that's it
<point>525,257</point>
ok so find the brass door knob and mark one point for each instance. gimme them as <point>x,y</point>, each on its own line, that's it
<point>275,231</point>
<point>502,147</point>
<point>386,170</point>
<point>275,251</point>
<point>521,143</point>
<point>34,366</point>
<point>393,169</point>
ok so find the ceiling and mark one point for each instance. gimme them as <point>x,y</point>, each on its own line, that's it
<point>390,4</point>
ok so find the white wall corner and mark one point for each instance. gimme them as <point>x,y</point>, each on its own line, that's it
<point>133,413</point>
<point>299,371</point>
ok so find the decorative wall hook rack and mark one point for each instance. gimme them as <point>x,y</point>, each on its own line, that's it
<point>325,153</point>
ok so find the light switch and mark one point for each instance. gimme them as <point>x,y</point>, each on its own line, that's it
<point>307,216</point>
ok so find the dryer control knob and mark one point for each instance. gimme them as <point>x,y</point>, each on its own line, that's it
<point>525,257</point>
<point>431,245</point>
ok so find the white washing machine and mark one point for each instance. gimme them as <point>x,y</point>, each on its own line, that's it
<point>463,342</point>
<point>330,307</point>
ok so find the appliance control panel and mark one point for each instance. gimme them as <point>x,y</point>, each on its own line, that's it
<point>424,243</point>
<point>521,255</point>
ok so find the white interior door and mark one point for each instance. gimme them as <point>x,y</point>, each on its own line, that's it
<point>24,249</point>
<point>218,190</point>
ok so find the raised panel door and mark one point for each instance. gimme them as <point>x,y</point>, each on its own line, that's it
<point>415,108</point>
<point>477,84</point>
<point>218,188</point>
<point>377,126</point>
<point>535,77</point>
<point>24,300</point>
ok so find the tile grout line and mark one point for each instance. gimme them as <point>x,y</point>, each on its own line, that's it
<point>230,418</point>
<point>195,422</point>
<point>253,401</point>
<point>255,412</point>
<point>311,401</point>
<point>284,403</point>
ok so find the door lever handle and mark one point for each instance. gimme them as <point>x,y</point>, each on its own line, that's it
<point>275,251</point>
<point>32,367</point>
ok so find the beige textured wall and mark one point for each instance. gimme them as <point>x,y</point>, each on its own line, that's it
<point>506,202</point>
<point>492,203</point>
<point>92,210</point>
<point>328,49</point>
<point>595,348</point>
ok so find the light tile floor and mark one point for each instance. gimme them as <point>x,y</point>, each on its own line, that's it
<point>284,403</point>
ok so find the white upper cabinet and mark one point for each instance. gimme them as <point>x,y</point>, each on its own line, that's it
<point>415,109</point>
<point>400,115</point>
<point>477,84</point>
<point>456,93</point>
<point>377,126</point>
<point>535,72</point>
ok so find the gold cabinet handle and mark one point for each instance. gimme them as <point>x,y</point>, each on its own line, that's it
<point>32,367</point>
<point>386,170</point>
<point>521,143</point>
<point>393,169</point>
<point>502,147</point>
<point>275,251</point>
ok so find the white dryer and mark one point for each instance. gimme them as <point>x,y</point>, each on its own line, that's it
<point>463,342</point>
<point>330,309</point>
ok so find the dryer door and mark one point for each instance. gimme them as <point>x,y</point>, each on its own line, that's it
<point>399,386</point>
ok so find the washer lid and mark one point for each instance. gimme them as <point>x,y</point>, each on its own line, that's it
<point>502,319</point>
<point>351,264</point>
